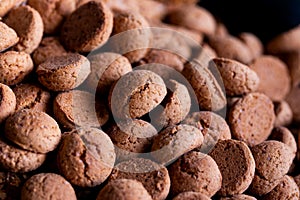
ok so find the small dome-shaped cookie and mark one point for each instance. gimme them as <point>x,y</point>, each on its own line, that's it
<point>7,102</point>
<point>10,37</point>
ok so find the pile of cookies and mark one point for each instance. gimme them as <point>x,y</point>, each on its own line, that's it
<point>144,99</point>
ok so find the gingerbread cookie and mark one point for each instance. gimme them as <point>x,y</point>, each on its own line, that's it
<point>283,112</point>
<point>191,196</point>
<point>10,37</point>
<point>7,102</point>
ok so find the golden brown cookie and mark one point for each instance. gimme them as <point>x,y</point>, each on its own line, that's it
<point>47,186</point>
<point>7,102</point>
<point>30,31</point>
<point>154,177</point>
<point>62,73</point>
<point>238,78</point>
<point>261,186</point>
<point>239,197</point>
<point>6,5</point>
<point>125,189</point>
<point>53,12</point>
<point>8,37</point>
<point>191,196</point>
<point>195,172</point>
<point>251,118</point>
<point>273,75</point>
<point>87,28</point>
<point>253,43</point>
<point>86,157</point>
<point>33,130</point>
<point>283,112</point>
<point>236,164</point>
<point>14,67</point>
<point>49,47</point>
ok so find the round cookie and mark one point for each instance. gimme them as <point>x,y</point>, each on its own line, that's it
<point>86,157</point>
<point>30,31</point>
<point>78,108</point>
<point>174,141</point>
<point>274,77</point>
<point>10,37</point>
<point>106,68</point>
<point>236,164</point>
<point>131,138</point>
<point>125,189</point>
<point>88,27</point>
<point>212,126</point>
<point>18,160</point>
<point>49,47</point>
<point>14,67</point>
<point>251,118</point>
<point>292,60</point>
<point>283,112</point>
<point>292,100</point>
<point>191,196</point>
<point>47,186</point>
<point>284,135</point>
<point>7,5</point>
<point>261,186</point>
<point>136,93</point>
<point>286,189</point>
<point>205,55</point>
<point>238,78</point>
<point>239,197</point>
<point>253,43</point>
<point>273,159</point>
<point>62,73</point>
<point>195,172</point>
<point>154,177</point>
<point>33,130</point>
<point>32,96</point>
<point>7,102</point>
<point>11,184</point>
<point>53,12</point>
<point>209,93</point>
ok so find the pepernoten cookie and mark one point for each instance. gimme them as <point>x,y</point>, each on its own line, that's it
<point>11,185</point>
<point>195,172</point>
<point>253,43</point>
<point>283,112</point>
<point>191,196</point>
<point>261,186</point>
<point>7,102</point>
<point>125,189</point>
<point>47,186</point>
<point>251,118</point>
<point>10,37</point>
<point>239,197</point>
<point>86,157</point>
<point>62,73</point>
<point>6,5</point>
<point>236,164</point>
<point>154,177</point>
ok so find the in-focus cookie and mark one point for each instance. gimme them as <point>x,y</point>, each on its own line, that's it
<point>154,177</point>
<point>239,197</point>
<point>174,141</point>
<point>125,189</point>
<point>47,186</point>
<point>83,153</point>
<point>191,196</point>
<point>261,186</point>
<point>61,73</point>
<point>236,164</point>
<point>253,43</point>
<point>30,31</point>
<point>7,102</point>
<point>88,27</point>
<point>195,172</point>
<point>14,67</point>
<point>283,112</point>
<point>251,118</point>
<point>8,37</point>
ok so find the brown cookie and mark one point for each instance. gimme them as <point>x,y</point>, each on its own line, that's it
<point>236,164</point>
<point>49,47</point>
<point>193,17</point>
<point>61,73</point>
<point>32,96</point>
<point>14,67</point>
<point>191,196</point>
<point>88,27</point>
<point>292,100</point>
<point>106,68</point>
<point>15,159</point>
<point>178,2</point>
<point>136,94</point>
<point>7,102</point>
<point>213,127</point>
<point>11,184</point>
<point>253,43</point>
<point>174,141</point>
<point>53,12</point>
<point>8,37</point>
<point>6,5</point>
<point>131,138</point>
<point>195,172</point>
<point>33,130</point>
<point>238,78</point>
<point>205,55</point>
<point>47,186</point>
<point>30,31</point>
<point>297,180</point>
<point>251,118</point>
<point>209,93</point>
<point>154,177</point>
<point>261,186</point>
<point>283,112</point>
<point>86,157</point>
<point>78,108</point>
<point>239,197</point>
<point>273,75</point>
<point>273,159</point>
<point>125,189</point>
<point>286,189</point>
<point>292,60</point>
